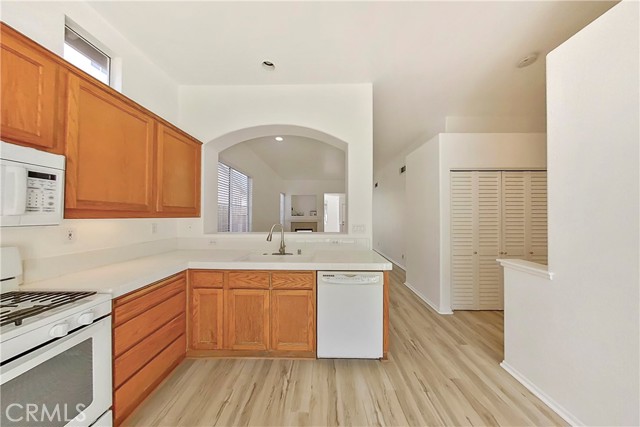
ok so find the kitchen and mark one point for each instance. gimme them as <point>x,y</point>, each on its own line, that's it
<point>123,255</point>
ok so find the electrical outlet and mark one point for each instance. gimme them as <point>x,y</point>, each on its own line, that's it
<point>70,235</point>
<point>213,242</point>
<point>358,228</point>
<point>154,228</point>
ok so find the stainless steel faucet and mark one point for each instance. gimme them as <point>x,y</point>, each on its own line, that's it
<point>282,250</point>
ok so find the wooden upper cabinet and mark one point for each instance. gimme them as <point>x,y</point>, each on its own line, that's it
<point>178,173</point>
<point>110,154</point>
<point>30,93</point>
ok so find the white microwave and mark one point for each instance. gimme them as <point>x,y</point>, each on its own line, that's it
<point>31,186</point>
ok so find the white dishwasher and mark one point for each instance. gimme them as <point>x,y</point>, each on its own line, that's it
<point>350,315</point>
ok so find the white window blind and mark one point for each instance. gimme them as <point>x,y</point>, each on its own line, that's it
<point>234,200</point>
<point>86,56</point>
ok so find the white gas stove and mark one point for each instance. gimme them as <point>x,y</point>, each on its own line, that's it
<point>63,337</point>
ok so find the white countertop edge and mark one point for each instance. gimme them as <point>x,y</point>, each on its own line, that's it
<point>527,267</point>
<point>121,278</point>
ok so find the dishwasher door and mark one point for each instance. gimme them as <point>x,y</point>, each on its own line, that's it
<point>350,315</point>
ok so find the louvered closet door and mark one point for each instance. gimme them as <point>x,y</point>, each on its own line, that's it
<point>489,240</point>
<point>463,213</point>
<point>475,240</point>
<point>514,214</point>
<point>536,245</point>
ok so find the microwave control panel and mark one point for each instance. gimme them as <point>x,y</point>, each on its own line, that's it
<point>42,192</point>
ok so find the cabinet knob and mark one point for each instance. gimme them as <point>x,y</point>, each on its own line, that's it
<point>530,253</point>
<point>475,252</point>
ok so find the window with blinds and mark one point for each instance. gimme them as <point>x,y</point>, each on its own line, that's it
<point>234,200</point>
<point>87,57</point>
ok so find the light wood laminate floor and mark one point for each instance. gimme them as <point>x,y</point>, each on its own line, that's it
<point>442,370</point>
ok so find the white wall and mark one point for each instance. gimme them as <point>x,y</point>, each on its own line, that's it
<point>576,339</point>
<point>342,111</point>
<point>389,211</point>
<point>495,124</point>
<point>141,81</point>
<point>497,151</point>
<point>267,184</point>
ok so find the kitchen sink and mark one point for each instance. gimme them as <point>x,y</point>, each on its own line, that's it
<point>270,257</point>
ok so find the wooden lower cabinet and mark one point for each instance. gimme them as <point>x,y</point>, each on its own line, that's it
<point>293,320</point>
<point>207,320</point>
<point>248,319</point>
<point>252,313</point>
<point>149,341</point>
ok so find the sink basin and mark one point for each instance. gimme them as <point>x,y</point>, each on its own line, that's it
<point>268,257</point>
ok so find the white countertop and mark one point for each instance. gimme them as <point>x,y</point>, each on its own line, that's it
<point>121,278</point>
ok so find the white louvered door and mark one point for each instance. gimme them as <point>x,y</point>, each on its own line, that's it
<point>536,245</point>
<point>489,290</point>
<point>463,226</point>
<point>493,215</point>
<point>475,234</point>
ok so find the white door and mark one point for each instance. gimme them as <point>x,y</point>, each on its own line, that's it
<point>334,212</point>
<point>476,240</point>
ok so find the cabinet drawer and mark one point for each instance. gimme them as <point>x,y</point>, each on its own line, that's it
<point>206,279</point>
<point>131,393</point>
<point>139,355</point>
<point>130,333</point>
<point>249,280</point>
<point>294,280</point>
<point>135,303</point>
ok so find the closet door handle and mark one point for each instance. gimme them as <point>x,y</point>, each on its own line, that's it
<point>475,252</point>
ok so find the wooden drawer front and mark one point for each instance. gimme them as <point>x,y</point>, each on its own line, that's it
<point>130,333</point>
<point>249,280</point>
<point>131,305</point>
<point>139,355</point>
<point>293,317</point>
<point>206,279</point>
<point>131,393</point>
<point>296,280</point>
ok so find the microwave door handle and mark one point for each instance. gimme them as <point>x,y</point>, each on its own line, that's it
<point>14,190</point>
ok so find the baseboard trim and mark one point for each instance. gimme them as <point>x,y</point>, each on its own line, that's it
<point>426,300</point>
<point>552,404</point>
<point>401,265</point>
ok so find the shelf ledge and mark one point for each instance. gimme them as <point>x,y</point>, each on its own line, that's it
<point>527,267</point>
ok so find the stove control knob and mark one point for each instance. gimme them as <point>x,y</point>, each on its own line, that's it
<point>86,318</point>
<point>59,330</point>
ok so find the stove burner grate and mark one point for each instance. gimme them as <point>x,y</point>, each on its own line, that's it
<point>18,305</point>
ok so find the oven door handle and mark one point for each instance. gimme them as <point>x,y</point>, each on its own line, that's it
<point>28,361</point>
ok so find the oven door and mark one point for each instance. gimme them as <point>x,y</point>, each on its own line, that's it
<point>64,383</point>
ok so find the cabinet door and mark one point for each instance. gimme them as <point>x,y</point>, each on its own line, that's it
<point>207,309</point>
<point>29,96</point>
<point>248,319</point>
<point>178,174</point>
<point>293,315</point>
<point>110,154</point>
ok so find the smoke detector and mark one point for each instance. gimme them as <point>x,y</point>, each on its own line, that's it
<point>528,60</point>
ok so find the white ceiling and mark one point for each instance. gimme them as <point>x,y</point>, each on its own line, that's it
<point>426,60</point>
<point>298,158</point>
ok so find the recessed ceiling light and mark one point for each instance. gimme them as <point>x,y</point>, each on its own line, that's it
<point>279,138</point>
<point>268,65</point>
<point>528,60</point>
